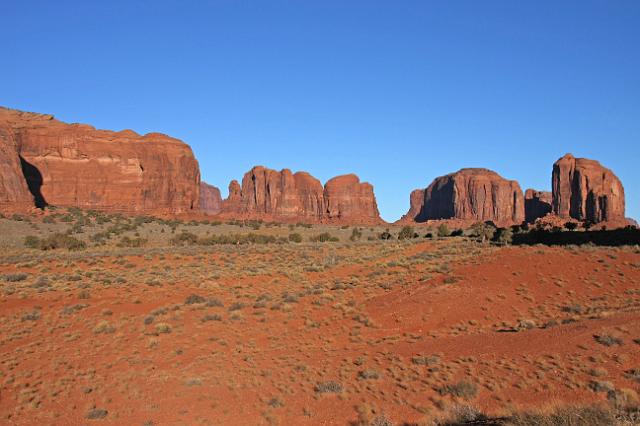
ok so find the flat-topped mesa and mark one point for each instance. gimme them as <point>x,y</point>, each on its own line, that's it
<point>349,200</point>
<point>585,190</point>
<point>210,199</point>
<point>471,194</point>
<point>283,195</point>
<point>76,165</point>
<point>267,193</point>
<point>537,204</point>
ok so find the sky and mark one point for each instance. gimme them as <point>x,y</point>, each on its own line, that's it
<point>398,92</point>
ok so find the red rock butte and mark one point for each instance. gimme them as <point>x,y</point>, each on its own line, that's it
<point>47,162</point>
<point>472,194</point>
<point>282,195</point>
<point>585,190</point>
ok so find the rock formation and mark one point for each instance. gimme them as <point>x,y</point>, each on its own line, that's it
<point>537,204</point>
<point>272,195</point>
<point>75,165</point>
<point>348,200</point>
<point>14,193</point>
<point>585,190</point>
<point>469,194</point>
<point>210,199</point>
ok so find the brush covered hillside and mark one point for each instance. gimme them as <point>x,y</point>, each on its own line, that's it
<point>110,319</point>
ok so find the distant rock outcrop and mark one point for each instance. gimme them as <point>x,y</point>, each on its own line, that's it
<point>283,195</point>
<point>347,199</point>
<point>585,190</point>
<point>76,165</point>
<point>210,199</point>
<point>537,204</point>
<point>271,194</point>
<point>470,194</point>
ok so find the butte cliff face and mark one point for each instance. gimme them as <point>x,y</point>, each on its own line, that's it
<point>75,165</point>
<point>469,194</point>
<point>210,199</point>
<point>283,195</point>
<point>14,193</point>
<point>537,204</point>
<point>271,194</point>
<point>585,190</point>
<point>349,200</point>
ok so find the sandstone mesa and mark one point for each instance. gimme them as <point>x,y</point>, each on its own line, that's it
<point>44,161</point>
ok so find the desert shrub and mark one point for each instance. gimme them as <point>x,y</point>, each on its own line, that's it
<point>425,360</point>
<point>323,238</point>
<point>295,237</point>
<point>31,316</point>
<point>457,233</point>
<point>236,306</point>
<point>163,328</point>
<point>211,317</point>
<point>368,375</point>
<point>12,278</point>
<point>386,235</point>
<point>503,236</point>
<point>462,389</point>
<point>443,230</point>
<point>483,231</point>
<point>565,416</point>
<point>193,299</point>
<point>103,327</point>
<point>214,303</point>
<point>54,241</point>
<point>356,234</point>
<point>184,239</point>
<point>131,242</point>
<point>608,340</point>
<point>97,413</point>
<point>406,233</point>
<point>328,387</point>
<point>571,226</point>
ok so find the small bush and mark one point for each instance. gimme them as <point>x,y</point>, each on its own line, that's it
<point>54,241</point>
<point>295,237</point>
<point>406,233</point>
<point>463,389</point>
<point>163,328</point>
<point>608,340</point>
<point>443,230</point>
<point>328,387</point>
<point>323,238</point>
<point>12,278</point>
<point>193,299</point>
<point>356,234</point>
<point>386,235</point>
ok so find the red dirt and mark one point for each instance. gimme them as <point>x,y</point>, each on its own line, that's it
<point>262,367</point>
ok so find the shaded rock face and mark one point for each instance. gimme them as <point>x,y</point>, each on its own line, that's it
<point>210,199</point>
<point>537,204</point>
<point>469,194</point>
<point>416,208</point>
<point>585,190</point>
<point>14,193</point>
<point>272,194</point>
<point>75,165</point>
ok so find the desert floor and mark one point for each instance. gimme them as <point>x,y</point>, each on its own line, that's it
<point>311,333</point>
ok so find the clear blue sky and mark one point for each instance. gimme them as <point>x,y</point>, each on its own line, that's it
<point>398,92</point>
